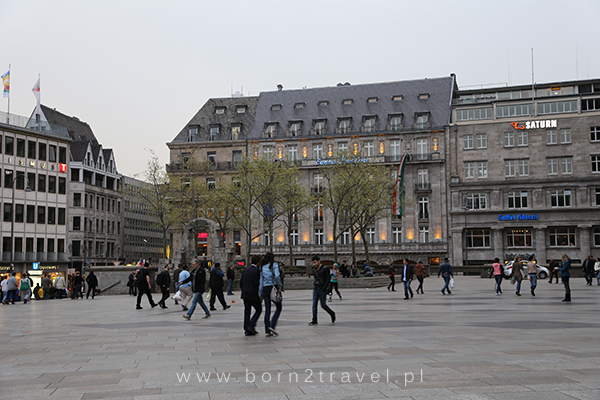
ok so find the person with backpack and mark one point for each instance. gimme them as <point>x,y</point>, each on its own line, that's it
<point>25,289</point>
<point>163,280</point>
<point>269,278</point>
<point>215,283</point>
<point>321,275</point>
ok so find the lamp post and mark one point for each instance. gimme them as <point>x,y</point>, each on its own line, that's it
<point>12,218</point>
<point>465,206</point>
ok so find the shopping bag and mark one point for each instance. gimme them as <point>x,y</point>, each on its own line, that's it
<point>208,295</point>
<point>451,283</point>
<point>177,296</point>
<point>276,296</point>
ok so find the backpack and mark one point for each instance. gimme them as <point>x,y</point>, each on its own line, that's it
<point>160,278</point>
<point>139,277</point>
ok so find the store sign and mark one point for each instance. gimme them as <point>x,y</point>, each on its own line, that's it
<point>36,265</point>
<point>541,124</point>
<point>517,217</point>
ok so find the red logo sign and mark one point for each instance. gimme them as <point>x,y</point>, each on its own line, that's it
<point>62,167</point>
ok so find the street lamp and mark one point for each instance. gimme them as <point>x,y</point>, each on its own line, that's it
<point>12,219</point>
<point>465,206</point>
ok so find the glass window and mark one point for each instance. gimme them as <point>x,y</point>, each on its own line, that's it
<point>31,180</point>
<point>295,129</point>
<point>565,136</point>
<point>395,122</point>
<point>482,169</point>
<point>482,141</point>
<point>468,142</point>
<point>293,153</point>
<point>595,133</point>
<point>561,237</point>
<point>423,234</point>
<point>509,168</point>
<point>477,201</point>
<point>595,164</point>
<point>369,149</point>
<point>518,238</point>
<point>469,170</point>
<point>422,121</point>
<point>370,235</point>
<point>19,212</point>
<point>30,214</point>
<point>76,199</point>
<point>369,124</point>
<point>395,150</point>
<point>42,151</point>
<point>9,145</point>
<point>8,178</point>
<point>423,208</point>
<point>318,236</point>
<point>560,198</point>
<point>51,184</point>
<point>397,234</point>
<point>478,238</point>
<point>423,179</point>
<point>61,219</point>
<point>517,199</point>
<point>523,167</point>
<point>551,136</point>
<point>51,215</point>
<point>235,132</point>
<point>566,165</point>
<point>557,107</point>
<point>522,138</point>
<point>552,164</point>
<point>318,211</point>
<point>270,130</point>
<point>344,125</point>
<point>474,114</point>
<point>422,149</point>
<point>317,151</point>
<point>41,215</point>
<point>62,185</point>
<point>596,236</point>
<point>509,139</point>
<point>62,155</point>
<point>7,212</point>
<point>52,153</point>
<point>20,147</point>
<point>294,237</point>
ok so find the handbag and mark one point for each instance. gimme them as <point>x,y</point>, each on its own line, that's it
<point>276,296</point>
<point>451,283</point>
<point>177,296</point>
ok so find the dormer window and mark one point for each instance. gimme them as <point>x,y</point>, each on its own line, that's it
<point>214,132</point>
<point>299,105</point>
<point>295,128</point>
<point>422,121</point>
<point>369,123</point>
<point>193,129</point>
<point>241,109</point>
<point>319,128</point>
<point>323,103</point>
<point>236,130</point>
<point>347,102</point>
<point>395,122</point>
<point>276,107</point>
<point>372,99</point>
<point>219,110</point>
<point>344,125</point>
<point>423,96</point>
<point>270,130</point>
<point>398,97</point>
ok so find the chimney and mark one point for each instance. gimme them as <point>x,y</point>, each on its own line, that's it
<point>280,87</point>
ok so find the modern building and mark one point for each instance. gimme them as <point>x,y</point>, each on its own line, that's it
<point>524,172</point>
<point>34,191</point>
<point>382,122</point>
<point>143,239</point>
<point>95,200</point>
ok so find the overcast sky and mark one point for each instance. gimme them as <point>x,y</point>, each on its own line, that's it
<point>137,71</point>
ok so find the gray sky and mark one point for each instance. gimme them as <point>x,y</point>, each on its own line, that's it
<point>137,71</point>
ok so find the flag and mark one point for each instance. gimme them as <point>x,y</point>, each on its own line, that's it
<point>399,188</point>
<point>6,84</point>
<point>36,93</point>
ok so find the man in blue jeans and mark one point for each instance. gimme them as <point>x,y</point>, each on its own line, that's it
<point>198,280</point>
<point>407,277</point>
<point>446,272</point>
<point>321,276</point>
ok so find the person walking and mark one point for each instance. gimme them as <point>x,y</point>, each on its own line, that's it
<point>421,275</point>
<point>588,270</point>
<point>59,285</point>
<point>215,283</point>
<point>144,287</point>
<point>250,287</point>
<point>392,275</point>
<point>446,273</point>
<point>269,278</point>
<point>532,273</point>
<point>92,282</point>
<point>553,267</point>
<point>407,277</point>
<point>131,283</point>
<point>163,280</point>
<point>230,279</point>
<point>197,279</point>
<point>3,290</point>
<point>186,288</point>
<point>77,285</point>
<point>517,274</point>
<point>176,273</point>
<point>46,285</point>
<point>565,275</point>
<point>333,282</point>
<point>497,268</point>
<point>321,280</point>
<point>597,269</point>
<point>25,288</point>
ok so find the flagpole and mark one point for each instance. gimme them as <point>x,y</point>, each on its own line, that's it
<point>8,111</point>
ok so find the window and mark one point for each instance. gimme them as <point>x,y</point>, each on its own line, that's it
<point>52,153</point>
<point>344,125</point>
<point>268,151</point>
<point>478,238</point>
<point>318,236</point>
<point>50,247</point>
<point>211,158</point>
<point>51,184</point>
<point>30,214</point>
<point>236,158</point>
<point>595,133</point>
<point>566,164</point>
<point>482,141</point>
<point>595,164</point>
<point>210,183</point>
<point>509,168</point>
<point>7,217</point>
<point>345,238</point>
<point>517,199</point>
<point>76,199</point>
<point>20,147</point>
<point>422,151</point>
<point>469,170</point>
<point>62,155</point>
<point>514,110</point>
<point>276,107</point>
<point>51,215</point>
<point>369,149</point>
<point>369,124</point>
<point>468,142</point>
<point>9,145</point>
<point>551,137</point>
<point>565,136</point>
<point>395,122</point>
<point>518,238</point>
<point>31,180</point>
<point>423,208</point>
<point>19,213</point>
<point>318,183</point>
<point>295,128</point>
<point>219,110</point>
<point>477,201</point>
<point>422,121</point>
<point>240,109</point>
<point>318,212</point>
<point>347,102</point>
<point>8,179</point>
<point>422,179</point>
<point>482,169</point>
<point>299,105</point>
<point>214,133</point>
<point>397,234</point>
<point>523,167</point>
<point>317,151</point>
<point>370,235</point>
<point>397,97</point>
<point>395,150</point>
<point>552,164</point>
<point>372,99</point>
<point>474,114</point>
<point>41,183</point>
<point>560,198</point>
<point>293,153</point>
<point>423,234</point>
<point>42,151</point>
<point>319,128</point>
<point>61,217</point>
<point>235,131</point>
<point>590,104</point>
<point>522,138</point>
<point>509,139</point>
<point>597,197</point>
<point>557,107</point>
<point>270,130</point>
<point>41,215</point>
<point>561,237</point>
<point>294,237</point>
<point>323,103</point>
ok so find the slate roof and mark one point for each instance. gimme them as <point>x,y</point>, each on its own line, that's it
<point>78,130</point>
<point>206,116</point>
<point>438,105</point>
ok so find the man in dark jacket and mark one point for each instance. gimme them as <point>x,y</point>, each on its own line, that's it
<point>92,281</point>
<point>588,270</point>
<point>215,283</point>
<point>144,287</point>
<point>321,275</point>
<point>230,279</point>
<point>446,273</point>
<point>408,273</point>
<point>164,281</point>
<point>198,279</point>
<point>249,284</point>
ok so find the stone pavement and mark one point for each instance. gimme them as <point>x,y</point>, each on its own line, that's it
<point>468,345</point>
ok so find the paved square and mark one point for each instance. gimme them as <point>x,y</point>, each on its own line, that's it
<point>468,345</point>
